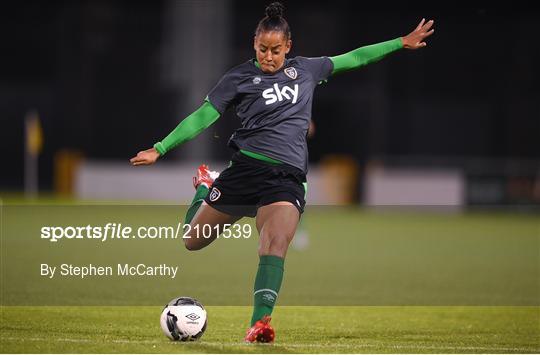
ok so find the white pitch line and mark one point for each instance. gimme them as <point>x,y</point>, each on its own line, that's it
<point>287,345</point>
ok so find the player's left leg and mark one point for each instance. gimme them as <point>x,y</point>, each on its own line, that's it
<point>276,224</point>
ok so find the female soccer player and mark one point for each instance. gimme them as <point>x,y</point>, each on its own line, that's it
<point>272,95</point>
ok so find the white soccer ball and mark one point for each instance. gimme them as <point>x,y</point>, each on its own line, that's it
<point>183,319</point>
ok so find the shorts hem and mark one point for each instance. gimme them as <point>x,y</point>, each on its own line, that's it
<point>284,196</point>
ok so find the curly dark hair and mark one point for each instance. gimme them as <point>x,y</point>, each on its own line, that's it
<point>274,21</point>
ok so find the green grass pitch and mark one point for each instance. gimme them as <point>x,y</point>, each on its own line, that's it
<point>367,282</point>
<point>312,329</point>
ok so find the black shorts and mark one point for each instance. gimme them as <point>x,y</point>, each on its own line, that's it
<point>250,183</point>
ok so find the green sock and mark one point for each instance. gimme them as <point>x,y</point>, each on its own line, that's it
<point>267,284</point>
<point>200,194</point>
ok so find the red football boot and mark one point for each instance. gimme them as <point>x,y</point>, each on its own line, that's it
<point>204,177</point>
<point>261,332</point>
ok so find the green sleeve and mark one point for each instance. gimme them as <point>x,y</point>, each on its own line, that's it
<point>364,55</point>
<point>189,128</point>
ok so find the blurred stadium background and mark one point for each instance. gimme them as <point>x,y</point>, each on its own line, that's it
<point>455,127</point>
<point>456,124</point>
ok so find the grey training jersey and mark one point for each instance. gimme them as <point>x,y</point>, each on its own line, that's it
<point>275,109</point>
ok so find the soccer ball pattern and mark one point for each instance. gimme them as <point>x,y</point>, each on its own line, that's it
<point>183,319</point>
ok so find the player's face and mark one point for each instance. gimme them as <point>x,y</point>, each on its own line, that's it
<point>271,48</point>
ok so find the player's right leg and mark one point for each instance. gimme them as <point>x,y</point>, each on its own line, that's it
<point>202,182</point>
<point>206,226</point>
<point>203,222</point>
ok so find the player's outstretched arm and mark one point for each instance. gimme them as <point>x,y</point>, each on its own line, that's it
<point>145,157</point>
<point>415,39</point>
<point>369,54</point>
<point>188,129</point>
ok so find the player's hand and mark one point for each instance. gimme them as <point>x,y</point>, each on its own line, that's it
<point>415,39</point>
<point>145,157</point>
